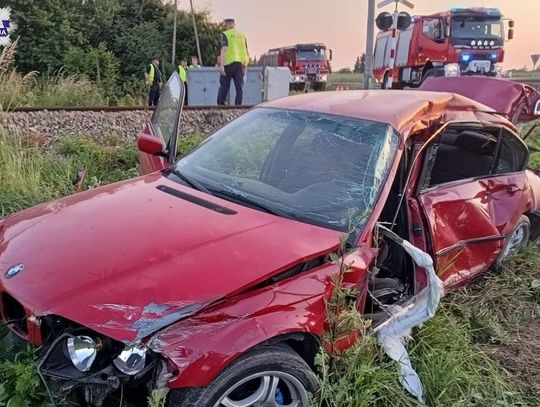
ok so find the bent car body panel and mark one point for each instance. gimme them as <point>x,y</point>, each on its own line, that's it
<point>469,221</point>
<point>205,344</point>
<point>533,181</point>
<point>503,96</point>
<point>407,111</point>
<point>127,258</point>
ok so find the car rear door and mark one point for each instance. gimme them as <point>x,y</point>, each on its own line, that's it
<point>471,199</point>
<point>164,126</point>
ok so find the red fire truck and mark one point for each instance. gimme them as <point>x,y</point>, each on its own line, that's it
<point>309,64</point>
<point>461,41</point>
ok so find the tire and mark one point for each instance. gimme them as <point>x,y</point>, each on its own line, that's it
<point>319,87</point>
<point>287,377</point>
<point>384,81</point>
<point>518,239</point>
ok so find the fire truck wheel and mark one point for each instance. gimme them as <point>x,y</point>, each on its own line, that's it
<point>428,74</point>
<point>384,81</point>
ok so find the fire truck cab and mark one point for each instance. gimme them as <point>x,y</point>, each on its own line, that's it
<point>309,64</point>
<point>461,41</point>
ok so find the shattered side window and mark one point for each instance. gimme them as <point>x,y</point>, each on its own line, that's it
<point>513,155</point>
<point>316,168</point>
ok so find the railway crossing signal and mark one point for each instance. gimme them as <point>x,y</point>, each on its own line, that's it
<point>385,3</point>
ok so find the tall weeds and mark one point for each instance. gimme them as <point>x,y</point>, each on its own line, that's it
<point>15,89</point>
<point>50,89</point>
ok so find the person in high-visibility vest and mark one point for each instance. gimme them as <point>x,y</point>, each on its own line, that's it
<point>153,78</point>
<point>183,73</point>
<point>233,61</point>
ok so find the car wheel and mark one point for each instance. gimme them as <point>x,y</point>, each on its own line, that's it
<point>269,376</point>
<point>518,239</point>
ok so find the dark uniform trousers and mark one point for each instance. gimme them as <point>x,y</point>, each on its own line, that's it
<point>234,71</point>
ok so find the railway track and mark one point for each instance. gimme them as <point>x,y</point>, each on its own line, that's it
<point>115,108</point>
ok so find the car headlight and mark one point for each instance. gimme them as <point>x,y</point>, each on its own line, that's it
<point>131,360</point>
<point>82,351</point>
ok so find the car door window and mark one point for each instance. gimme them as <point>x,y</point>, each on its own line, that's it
<point>167,114</point>
<point>432,28</point>
<point>513,154</point>
<point>461,154</point>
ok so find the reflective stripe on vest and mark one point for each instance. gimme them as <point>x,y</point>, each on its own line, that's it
<point>183,73</point>
<point>151,74</point>
<point>236,47</point>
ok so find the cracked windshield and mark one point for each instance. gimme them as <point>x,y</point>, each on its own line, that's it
<point>319,169</point>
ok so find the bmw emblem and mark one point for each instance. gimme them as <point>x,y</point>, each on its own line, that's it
<point>13,271</point>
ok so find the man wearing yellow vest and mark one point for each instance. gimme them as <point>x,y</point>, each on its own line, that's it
<point>233,61</point>
<point>153,78</point>
<point>183,73</point>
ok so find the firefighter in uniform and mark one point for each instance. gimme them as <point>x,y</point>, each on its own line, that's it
<point>183,73</point>
<point>153,78</point>
<point>233,61</point>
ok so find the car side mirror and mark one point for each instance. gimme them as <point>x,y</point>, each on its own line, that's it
<point>150,145</point>
<point>510,34</point>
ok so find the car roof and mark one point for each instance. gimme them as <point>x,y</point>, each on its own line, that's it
<point>406,110</point>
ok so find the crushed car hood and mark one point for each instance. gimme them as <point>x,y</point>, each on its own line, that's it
<point>127,259</point>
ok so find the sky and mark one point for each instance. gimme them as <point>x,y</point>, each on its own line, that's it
<point>340,24</point>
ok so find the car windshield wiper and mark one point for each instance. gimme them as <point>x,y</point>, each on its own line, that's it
<point>238,197</point>
<point>191,182</point>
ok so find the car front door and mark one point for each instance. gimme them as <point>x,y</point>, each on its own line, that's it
<point>472,192</point>
<point>163,128</point>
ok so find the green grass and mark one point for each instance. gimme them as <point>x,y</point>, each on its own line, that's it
<point>51,89</point>
<point>345,78</point>
<point>479,350</point>
<point>523,73</point>
<point>28,175</point>
<point>533,141</point>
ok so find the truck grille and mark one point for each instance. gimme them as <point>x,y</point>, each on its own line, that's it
<point>312,69</point>
<point>14,315</point>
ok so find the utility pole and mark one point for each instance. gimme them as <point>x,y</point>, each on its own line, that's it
<point>174,34</point>
<point>196,33</point>
<point>368,69</point>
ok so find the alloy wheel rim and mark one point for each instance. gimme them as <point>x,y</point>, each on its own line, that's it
<point>266,389</point>
<point>516,241</point>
